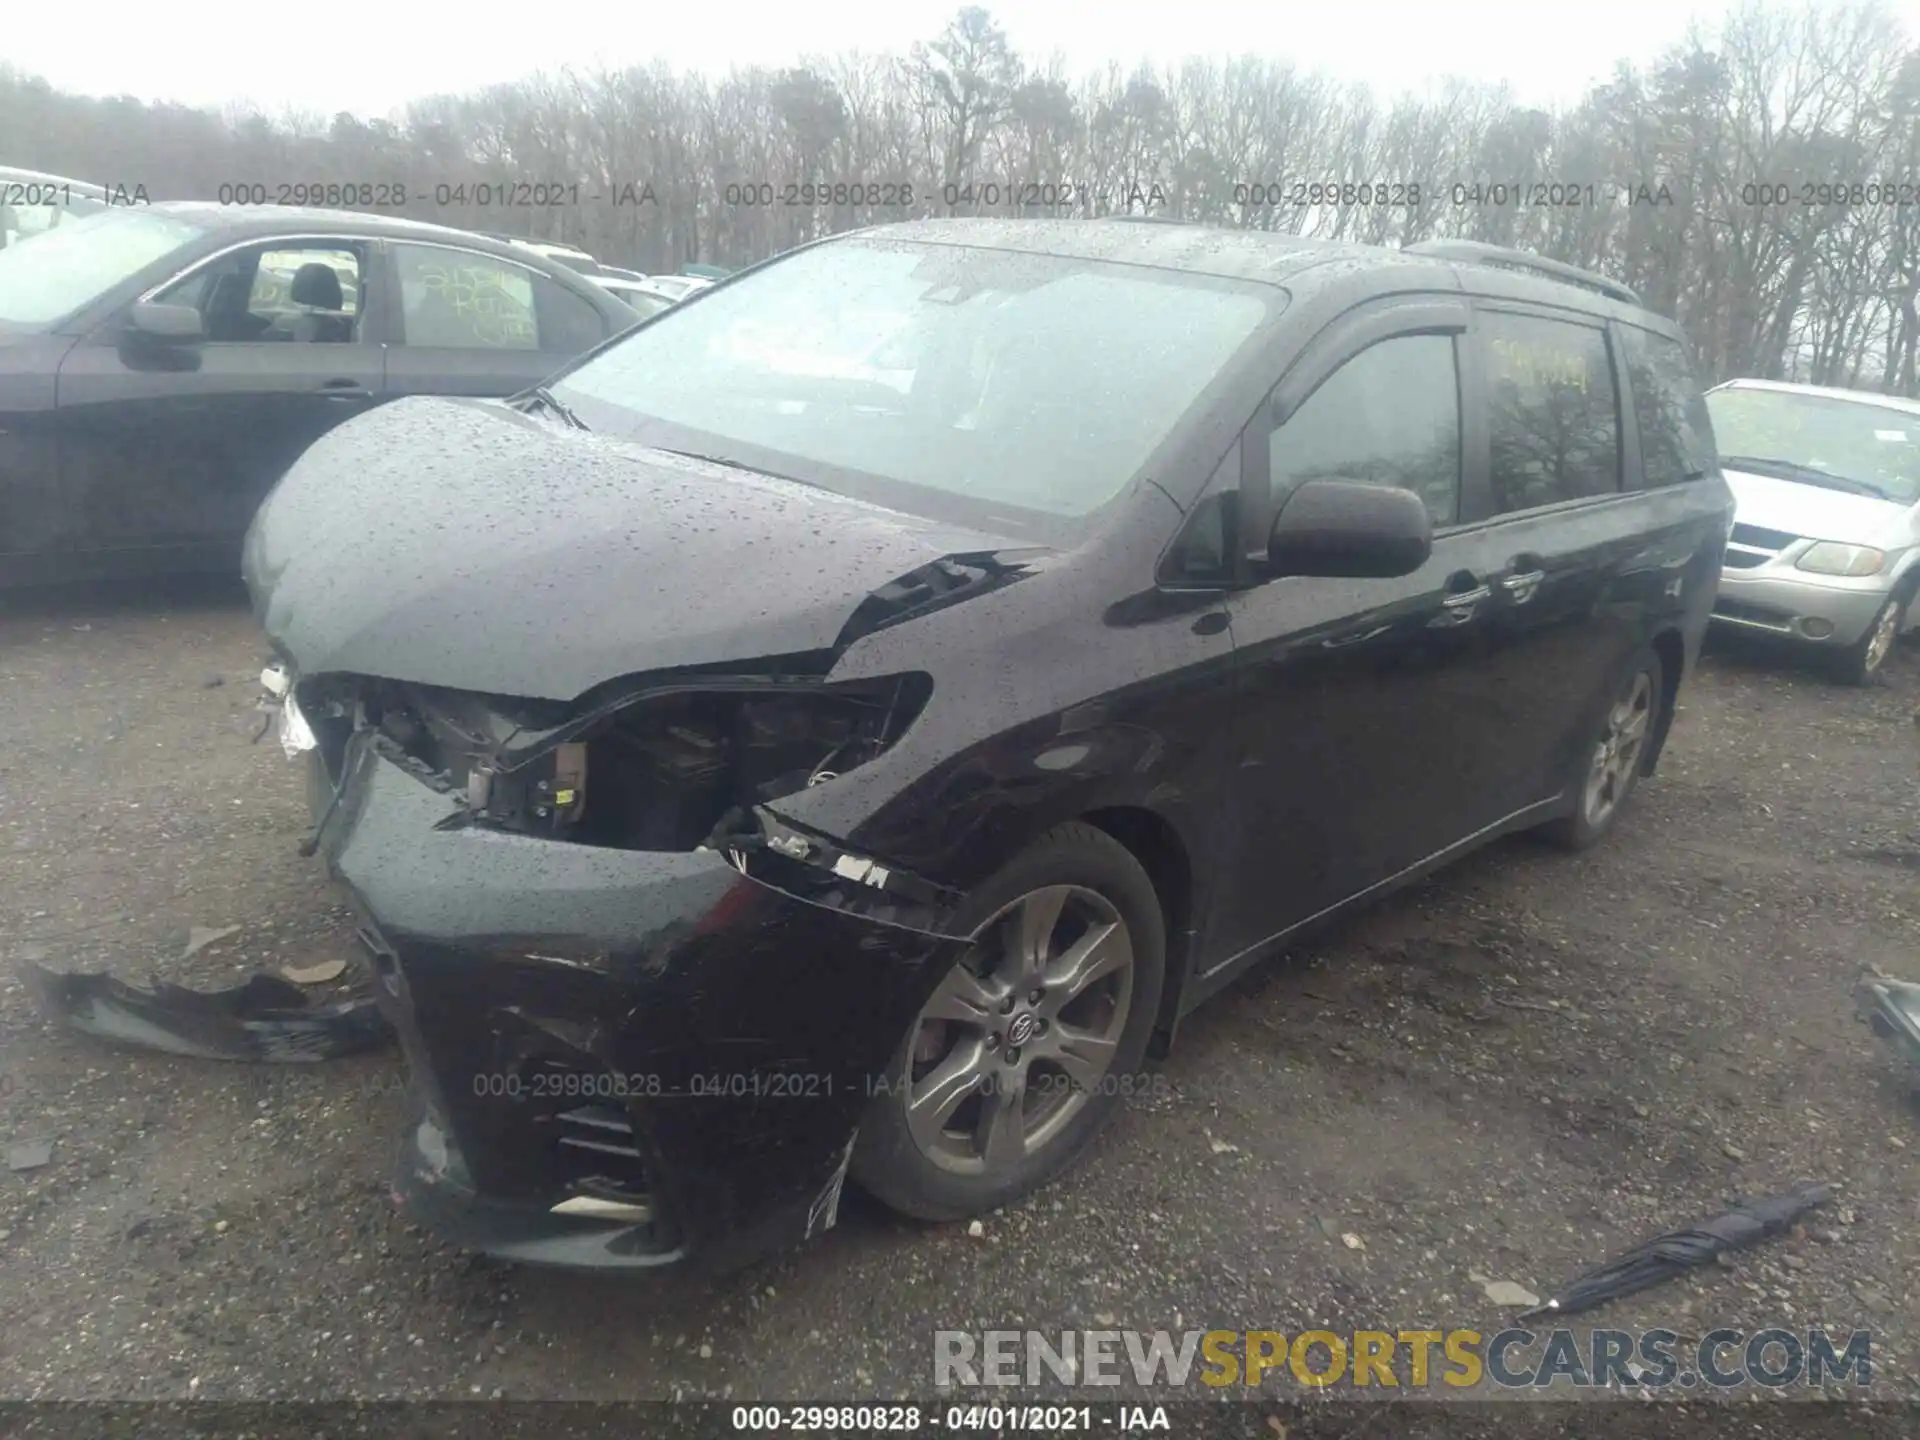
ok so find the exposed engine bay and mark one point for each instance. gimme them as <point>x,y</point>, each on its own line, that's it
<point>659,767</point>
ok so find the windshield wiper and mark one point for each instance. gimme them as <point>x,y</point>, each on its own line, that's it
<point>1804,474</point>
<point>542,395</point>
<point>732,465</point>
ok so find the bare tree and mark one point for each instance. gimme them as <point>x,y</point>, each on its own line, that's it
<point>1756,180</point>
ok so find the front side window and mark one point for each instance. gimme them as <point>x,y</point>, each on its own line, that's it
<point>275,293</point>
<point>1676,433</point>
<point>274,282</point>
<point>1554,415</point>
<point>1388,416</point>
<point>1830,441</point>
<point>64,269</point>
<point>982,378</point>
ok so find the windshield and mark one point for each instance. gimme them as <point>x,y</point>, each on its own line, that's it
<point>53,274</point>
<point>1866,447</point>
<point>1000,378</point>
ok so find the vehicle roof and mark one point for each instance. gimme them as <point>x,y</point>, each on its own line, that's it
<point>1296,262</point>
<point>1831,392</point>
<point>243,221</point>
<point>545,247</point>
<point>17,176</point>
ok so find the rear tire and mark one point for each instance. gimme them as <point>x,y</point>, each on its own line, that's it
<point>1611,765</point>
<point>1024,1050</point>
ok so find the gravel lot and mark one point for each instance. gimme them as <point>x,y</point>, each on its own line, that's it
<point>1512,1070</point>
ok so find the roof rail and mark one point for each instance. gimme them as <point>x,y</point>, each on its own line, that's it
<point>1475,252</point>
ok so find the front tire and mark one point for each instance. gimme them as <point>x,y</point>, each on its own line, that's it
<point>1609,770</point>
<point>1862,662</point>
<point>1022,1052</point>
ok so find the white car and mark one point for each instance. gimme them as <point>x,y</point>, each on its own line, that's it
<point>32,201</point>
<point>1825,547</point>
<point>570,256</point>
<point>681,286</point>
<point>645,296</point>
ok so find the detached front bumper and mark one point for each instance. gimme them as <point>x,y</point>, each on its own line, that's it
<point>597,1028</point>
<point>1827,610</point>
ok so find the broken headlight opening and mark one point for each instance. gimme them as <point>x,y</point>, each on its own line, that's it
<point>661,767</point>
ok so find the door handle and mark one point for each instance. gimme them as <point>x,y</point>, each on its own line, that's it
<point>344,390</point>
<point>1523,586</point>
<point>1459,608</point>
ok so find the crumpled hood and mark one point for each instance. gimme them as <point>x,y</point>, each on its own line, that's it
<point>461,543</point>
<point>1810,510</point>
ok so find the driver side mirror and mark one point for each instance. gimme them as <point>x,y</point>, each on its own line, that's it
<point>168,324</point>
<point>1343,528</point>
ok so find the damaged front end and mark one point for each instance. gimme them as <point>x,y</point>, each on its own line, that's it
<point>669,765</point>
<point>673,764</point>
<point>660,765</point>
<point>643,1011</point>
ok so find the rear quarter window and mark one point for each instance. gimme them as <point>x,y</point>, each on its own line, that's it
<point>1676,433</point>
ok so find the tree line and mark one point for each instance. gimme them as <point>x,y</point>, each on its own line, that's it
<point>1758,180</point>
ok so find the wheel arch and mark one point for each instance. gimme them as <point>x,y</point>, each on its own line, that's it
<point>1156,842</point>
<point>1672,649</point>
<point>1906,583</point>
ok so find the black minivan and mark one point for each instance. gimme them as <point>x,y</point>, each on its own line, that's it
<point>840,726</point>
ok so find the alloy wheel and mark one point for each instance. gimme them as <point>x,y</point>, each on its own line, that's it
<point>1022,1032</point>
<point>1617,755</point>
<point>1880,644</point>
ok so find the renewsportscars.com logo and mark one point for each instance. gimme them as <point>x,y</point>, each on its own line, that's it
<point>1381,1360</point>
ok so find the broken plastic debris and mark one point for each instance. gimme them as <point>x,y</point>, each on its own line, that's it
<point>1892,1008</point>
<point>200,937</point>
<point>317,974</point>
<point>296,736</point>
<point>29,1154</point>
<point>267,1018</point>
<point>1665,1256</point>
<point>1503,1292</point>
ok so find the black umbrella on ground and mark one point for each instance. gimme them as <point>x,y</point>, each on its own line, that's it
<point>1665,1256</point>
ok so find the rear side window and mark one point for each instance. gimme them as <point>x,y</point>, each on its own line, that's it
<point>1676,433</point>
<point>1554,415</point>
<point>457,300</point>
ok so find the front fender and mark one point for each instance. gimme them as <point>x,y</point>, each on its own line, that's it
<point>967,817</point>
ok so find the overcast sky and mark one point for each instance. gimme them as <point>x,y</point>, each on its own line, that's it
<point>373,60</point>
